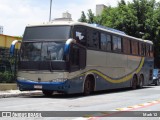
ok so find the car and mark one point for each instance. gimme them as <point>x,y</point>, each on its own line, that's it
<point>156,77</point>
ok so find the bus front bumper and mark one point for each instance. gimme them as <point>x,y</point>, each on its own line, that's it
<point>25,85</point>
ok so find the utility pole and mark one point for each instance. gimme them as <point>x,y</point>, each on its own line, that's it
<point>50,10</point>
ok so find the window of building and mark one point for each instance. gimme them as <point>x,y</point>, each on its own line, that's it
<point>117,46</point>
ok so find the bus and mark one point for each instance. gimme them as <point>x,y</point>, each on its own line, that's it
<point>73,57</point>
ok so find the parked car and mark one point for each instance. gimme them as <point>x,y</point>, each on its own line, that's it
<point>156,77</point>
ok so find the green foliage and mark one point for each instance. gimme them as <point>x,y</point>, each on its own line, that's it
<point>90,16</point>
<point>6,77</point>
<point>139,18</point>
<point>83,17</point>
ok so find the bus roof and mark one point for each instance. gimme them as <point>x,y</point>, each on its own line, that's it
<point>72,23</point>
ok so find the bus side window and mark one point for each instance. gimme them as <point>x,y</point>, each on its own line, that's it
<point>80,35</point>
<point>93,39</point>
<point>109,44</point>
<point>147,50</point>
<point>134,47</point>
<point>103,42</point>
<point>151,51</point>
<point>126,46</point>
<point>140,48</point>
<point>117,46</point>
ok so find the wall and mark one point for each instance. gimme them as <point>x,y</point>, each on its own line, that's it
<point>5,41</point>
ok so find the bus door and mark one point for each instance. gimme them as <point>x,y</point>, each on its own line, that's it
<point>77,57</point>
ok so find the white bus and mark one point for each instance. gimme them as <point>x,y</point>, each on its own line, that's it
<point>73,57</point>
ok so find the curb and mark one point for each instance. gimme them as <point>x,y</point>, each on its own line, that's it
<point>26,93</point>
<point>8,86</point>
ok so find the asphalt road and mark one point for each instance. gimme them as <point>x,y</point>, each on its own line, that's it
<point>145,99</point>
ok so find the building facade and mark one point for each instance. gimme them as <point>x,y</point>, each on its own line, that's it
<point>1,29</point>
<point>100,8</point>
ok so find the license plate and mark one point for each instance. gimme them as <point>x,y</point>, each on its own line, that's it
<point>38,86</point>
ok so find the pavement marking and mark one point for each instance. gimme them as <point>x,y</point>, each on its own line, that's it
<point>119,110</point>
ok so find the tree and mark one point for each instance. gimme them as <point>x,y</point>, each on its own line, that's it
<point>83,17</point>
<point>90,16</point>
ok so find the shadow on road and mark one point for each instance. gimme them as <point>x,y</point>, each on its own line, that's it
<point>75,96</point>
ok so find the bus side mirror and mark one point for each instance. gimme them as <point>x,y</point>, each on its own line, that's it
<point>12,48</point>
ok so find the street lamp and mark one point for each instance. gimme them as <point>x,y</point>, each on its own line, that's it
<point>50,10</point>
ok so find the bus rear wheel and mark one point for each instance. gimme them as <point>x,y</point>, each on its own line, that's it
<point>134,82</point>
<point>141,81</point>
<point>87,87</point>
<point>47,92</point>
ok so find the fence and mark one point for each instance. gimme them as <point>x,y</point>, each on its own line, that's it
<point>7,63</point>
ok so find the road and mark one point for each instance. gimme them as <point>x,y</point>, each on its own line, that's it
<point>145,99</point>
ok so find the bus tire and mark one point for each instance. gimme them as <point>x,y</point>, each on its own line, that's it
<point>141,81</point>
<point>134,82</point>
<point>157,82</point>
<point>47,92</point>
<point>88,86</point>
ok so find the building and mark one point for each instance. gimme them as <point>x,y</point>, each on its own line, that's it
<point>65,17</point>
<point>1,29</point>
<point>100,8</point>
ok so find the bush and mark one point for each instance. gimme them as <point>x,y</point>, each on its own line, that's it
<point>6,77</point>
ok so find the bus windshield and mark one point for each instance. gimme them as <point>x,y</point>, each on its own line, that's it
<point>42,51</point>
<point>47,33</point>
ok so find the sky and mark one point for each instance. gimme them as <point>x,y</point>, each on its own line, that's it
<point>15,15</point>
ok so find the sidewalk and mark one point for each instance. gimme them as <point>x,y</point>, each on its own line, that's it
<point>16,93</point>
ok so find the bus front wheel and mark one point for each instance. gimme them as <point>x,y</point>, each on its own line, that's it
<point>87,87</point>
<point>47,92</point>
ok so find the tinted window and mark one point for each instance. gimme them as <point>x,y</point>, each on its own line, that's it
<point>47,33</point>
<point>93,39</point>
<point>80,35</point>
<point>151,50</point>
<point>75,56</point>
<point>147,50</point>
<point>126,46</point>
<point>143,49</point>
<point>134,45</point>
<point>117,44</point>
<point>103,42</point>
<point>42,51</point>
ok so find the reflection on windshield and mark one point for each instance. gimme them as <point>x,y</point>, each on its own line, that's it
<point>42,51</point>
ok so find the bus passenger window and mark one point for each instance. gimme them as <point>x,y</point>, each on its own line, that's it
<point>126,46</point>
<point>117,44</point>
<point>109,43</point>
<point>80,35</point>
<point>134,47</point>
<point>151,51</point>
<point>147,50</point>
<point>93,39</point>
<point>103,42</point>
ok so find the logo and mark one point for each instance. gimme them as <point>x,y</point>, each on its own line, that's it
<point>6,114</point>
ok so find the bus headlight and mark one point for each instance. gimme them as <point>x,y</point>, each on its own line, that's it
<point>59,80</point>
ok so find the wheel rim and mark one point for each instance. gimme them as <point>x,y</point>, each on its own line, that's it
<point>141,82</point>
<point>87,87</point>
